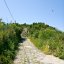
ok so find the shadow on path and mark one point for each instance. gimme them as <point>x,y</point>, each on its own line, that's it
<point>23,39</point>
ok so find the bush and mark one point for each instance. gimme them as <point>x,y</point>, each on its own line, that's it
<point>9,40</point>
<point>47,38</point>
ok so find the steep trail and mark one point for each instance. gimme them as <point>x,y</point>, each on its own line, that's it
<point>29,54</point>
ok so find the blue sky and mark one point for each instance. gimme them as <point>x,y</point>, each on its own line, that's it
<point>50,12</point>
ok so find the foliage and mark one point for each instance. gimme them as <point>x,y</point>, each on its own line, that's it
<point>9,40</point>
<point>47,38</point>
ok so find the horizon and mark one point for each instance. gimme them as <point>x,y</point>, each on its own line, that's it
<point>36,22</point>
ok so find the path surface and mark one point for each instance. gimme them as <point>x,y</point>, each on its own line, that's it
<point>29,54</point>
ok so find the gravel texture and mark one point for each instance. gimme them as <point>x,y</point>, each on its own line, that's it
<point>29,54</point>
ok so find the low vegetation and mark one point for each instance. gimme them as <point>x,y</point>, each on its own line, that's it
<point>47,38</point>
<point>9,40</point>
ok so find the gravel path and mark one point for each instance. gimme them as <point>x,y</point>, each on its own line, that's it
<point>29,54</point>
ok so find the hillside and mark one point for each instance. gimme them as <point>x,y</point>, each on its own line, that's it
<point>46,38</point>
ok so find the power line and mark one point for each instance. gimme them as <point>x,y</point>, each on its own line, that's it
<point>9,10</point>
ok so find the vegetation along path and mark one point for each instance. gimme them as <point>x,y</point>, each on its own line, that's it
<point>29,54</point>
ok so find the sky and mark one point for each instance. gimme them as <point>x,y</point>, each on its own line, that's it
<point>50,12</point>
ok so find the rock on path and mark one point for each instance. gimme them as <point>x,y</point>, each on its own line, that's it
<point>29,54</point>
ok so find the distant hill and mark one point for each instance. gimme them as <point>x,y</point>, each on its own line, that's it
<point>46,38</point>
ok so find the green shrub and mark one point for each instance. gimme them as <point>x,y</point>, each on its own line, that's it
<point>9,40</point>
<point>47,38</point>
